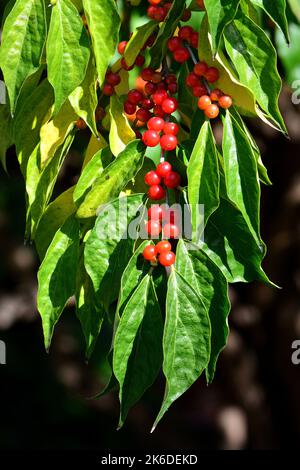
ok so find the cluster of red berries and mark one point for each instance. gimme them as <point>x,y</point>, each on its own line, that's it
<point>159,9</point>
<point>163,174</point>
<point>156,125</point>
<point>176,44</point>
<point>209,103</point>
<point>201,72</point>
<point>112,79</point>
<point>161,253</point>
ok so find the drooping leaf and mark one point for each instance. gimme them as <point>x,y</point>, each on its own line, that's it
<point>23,40</point>
<point>277,12</point>
<point>104,23</point>
<point>109,246</point>
<point>68,51</point>
<point>203,179</point>
<point>220,13</point>
<point>255,62</point>
<point>57,276</point>
<point>289,54</point>
<point>211,285</point>
<point>138,346</point>
<point>121,132</point>
<point>113,179</point>
<point>137,40</point>
<point>95,144</point>
<point>186,342</point>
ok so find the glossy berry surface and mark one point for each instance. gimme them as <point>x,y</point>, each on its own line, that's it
<point>163,169</point>
<point>172,180</point>
<point>181,55</point>
<point>225,101</point>
<point>171,128</point>
<point>203,102</point>
<point>156,192</point>
<point>153,228</point>
<point>163,247</point>
<point>151,138</point>
<point>169,105</point>
<point>167,259</point>
<point>149,253</point>
<point>168,142</point>
<point>156,124</point>
<point>152,178</point>
<point>212,111</point>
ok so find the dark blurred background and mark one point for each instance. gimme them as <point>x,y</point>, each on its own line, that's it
<point>254,400</point>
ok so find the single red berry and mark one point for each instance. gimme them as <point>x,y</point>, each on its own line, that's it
<point>171,231</point>
<point>113,78</point>
<point>147,74</point>
<point>149,253</point>
<point>151,138</point>
<point>125,66</point>
<point>156,124</point>
<point>200,69</point>
<point>122,47</point>
<point>192,80</point>
<point>168,142</point>
<point>163,247</point>
<point>169,105</point>
<point>156,192</point>
<point>174,44</point>
<point>134,96</point>
<point>151,40</point>
<point>129,108</point>
<point>139,61</point>
<point>163,169</point>
<point>212,111</point>
<point>225,101</point>
<point>80,124</point>
<point>159,14</point>
<point>151,12</point>
<point>172,180</point>
<point>172,88</point>
<point>99,113</point>
<point>216,94</point>
<point>185,33</point>
<point>171,78</point>
<point>212,74</point>
<point>155,212</point>
<point>146,103</point>
<point>150,88</point>
<point>143,115</point>
<point>203,102</point>
<point>181,55</point>
<point>162,86</point>
<point>152,178</point>
<point>195,39</point>
<point>153,228</point>
<point>108,90</point>
<point>159,96</point>
<point>171,128</point>
<point>186,16</point>
<point>158,111</point>
<point>199,90</point>
<point>167,259</point>
<point>156,77</point>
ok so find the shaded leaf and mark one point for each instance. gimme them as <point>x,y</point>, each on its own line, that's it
<point>219,13</point>
<point>137,40</point>
<point>277,12</point>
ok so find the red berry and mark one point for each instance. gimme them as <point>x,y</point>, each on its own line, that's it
<point>158,111</point>
<point>150,88</point>
<point>212,111</point>
<point>139,61</point>
<point>216,94</point>
<point>212,74</point>
<point>172,88</point>
<point>167,259</point>
<point>122,47</point>
<point>169,105</point>
<point>152,178</point>
<point>99,113</point>
<point>181,55</point>
<point>125,66</point>
<point>185,33</point>
<point>154,2</point>
<point>151,40</point>
<point>199,90</point>
<point>200,69</point>
<point>162,86</point>
<point>159,96</point>
<point>168,142</point>
<point>134,96</point>
<point>108,90</point>
<point>147,74</point>
<point>156,77</point>
<point>129,108</point>
<point>172,180</point>
<point>171,230</point>
<point>113,78</point>
<point>174,44</point>
<point>143,115</point>
<point>80,124</point>
<point>153,228</point>
<point>186,16</point>
<point>171,78</point>
<point>156,124</point>
<point>156,192</point>
<point>171,128</point>
<point>151,138</point>
<point>225,101</point>
<point>163,169</point>
<point>155,212</point>
<point>203,102</point>
<point>163,247</point>
<point>146,103</point>
<point>192,80</point>
<point>149,253</point>
<point>195,39</point>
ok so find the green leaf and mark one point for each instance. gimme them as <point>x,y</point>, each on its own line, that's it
<point>137,40</point>
<point>254,58</point>
<point>121,132</point>
<point>203,178</point>
<point>67,51</point>
<point>23,40</point>
<point>230,244</point>
<point>109,248</point>
<point>167,30</point>
<point>113,179</point>
<point>137,346</point>
<point>52,219</point>
<point>295,7</point>
<point>211,286</point>
<point>277,12</point>
<point>289,54</point>
<point>186,342</point>
<point>89,313</point>
<point>84,98</point>
<point>138,185</point>
<point>57,276</point>
<point>220,13</point>
<point>91,172</point>
<point>104,24</point>
<point>6,133</point>
<point>241,174</point>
